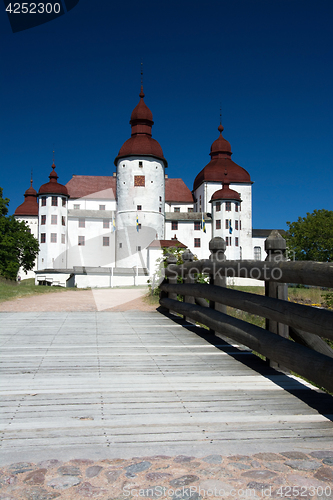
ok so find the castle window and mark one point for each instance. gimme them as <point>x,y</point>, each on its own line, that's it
<point>139,207</point>
<point>63,202</point>
<point>140,164</point>
<point>43,201</point>
<point>236,241</point>
<point>102,207</point>
<point>236,224</point>
<point>228,206</point>
<point>160,210</point>
<point>76,207</point>
<point>139,181</point>
<point>257,253</point>
<point>240,225</point>
<point>218,224</point>
<point>138,249</point>
<point>236,207</point>
<point>227,223</point>
<point>106,223</point>
<point>43,237</point>
<point>176,209</point>
<point>54,201</point>
<point>139,226</point>
<point>53,237</point>
<point>160,198</point>
<point>54,219</point>
<point>120,245</point>
<point>43,219</point>
<point>81,241</point>
<point>228,241</point>
<point>63,221</point>
<point>106,241</point>
<point>190,209</point>
<point>197,226</point>
<point>63,238</point>
<point>174,225</point>
<point>197,242</point>
<point>218,206</point>
<point>82,222</point>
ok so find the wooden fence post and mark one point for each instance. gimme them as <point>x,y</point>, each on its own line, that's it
<point>188,257</point>
<point>275,246</point>
<point>217,248</point>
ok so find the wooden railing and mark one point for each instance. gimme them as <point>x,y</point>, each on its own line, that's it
<point>307,354</point>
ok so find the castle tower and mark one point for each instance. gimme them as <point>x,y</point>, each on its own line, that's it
<point>28,213</point>
<point>223,170</point>
<point>140,190</point>
<point>226,215</point>
<point>53,223</point>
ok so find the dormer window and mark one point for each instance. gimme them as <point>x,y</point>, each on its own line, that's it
<point>140,164</point>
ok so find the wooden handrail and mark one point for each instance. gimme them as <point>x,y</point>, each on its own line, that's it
<point>302,272</point>
<point>307,318</point>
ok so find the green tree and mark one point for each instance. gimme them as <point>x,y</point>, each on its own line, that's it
<point>18,247</point>
<point>311,237</point>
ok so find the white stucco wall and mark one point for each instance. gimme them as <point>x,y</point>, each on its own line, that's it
<point>151,199</point>
<point>52,255</point>
<point>32,222</point>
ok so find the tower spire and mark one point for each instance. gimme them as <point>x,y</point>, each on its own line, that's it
<point>141,92</point>
<point>220,127</point>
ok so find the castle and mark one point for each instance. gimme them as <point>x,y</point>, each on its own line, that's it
<point>102,231</point>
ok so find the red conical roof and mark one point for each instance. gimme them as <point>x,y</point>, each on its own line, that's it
<point>30,205</point>
<point>225,193</point>
<point>221,162</point>
<point>53,186</point>
<point>141,142</point>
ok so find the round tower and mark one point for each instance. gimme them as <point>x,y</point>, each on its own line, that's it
<point>28,213</point>
<point>222,169</point>
<point>226,215</point>
<point>140,190</point>
<point>53,223</point>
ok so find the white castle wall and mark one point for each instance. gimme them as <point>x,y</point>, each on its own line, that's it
<point>151,198</point>
<point>32,222</point>
<point>52,255</point>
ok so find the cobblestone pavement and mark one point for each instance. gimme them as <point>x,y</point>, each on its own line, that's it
<point>276,475</point>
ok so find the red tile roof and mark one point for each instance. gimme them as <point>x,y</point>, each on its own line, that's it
<point>221,167</point>
<point>84,185</point>
<point>177,191</point>
<point>166,244</point>
<point>30,205</point>
<point>53,186</point>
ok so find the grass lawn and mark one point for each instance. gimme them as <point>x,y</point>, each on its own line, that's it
<point>10,290</point>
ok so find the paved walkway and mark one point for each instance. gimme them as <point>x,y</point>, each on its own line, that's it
<point>85,393</point>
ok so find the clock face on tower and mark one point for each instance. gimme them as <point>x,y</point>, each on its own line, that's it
<point>139,180</point>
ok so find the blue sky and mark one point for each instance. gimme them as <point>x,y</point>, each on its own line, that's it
<point>71,84</point>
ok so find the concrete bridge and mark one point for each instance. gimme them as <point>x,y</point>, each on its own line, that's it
<point>124,384</point>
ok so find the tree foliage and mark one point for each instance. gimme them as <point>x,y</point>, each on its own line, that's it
<point>18,247</point>
<point>311,237</point>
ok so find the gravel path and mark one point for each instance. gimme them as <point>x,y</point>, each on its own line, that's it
<point>115,299</point>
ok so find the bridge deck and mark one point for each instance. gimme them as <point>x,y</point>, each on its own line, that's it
<point>125,384</point>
